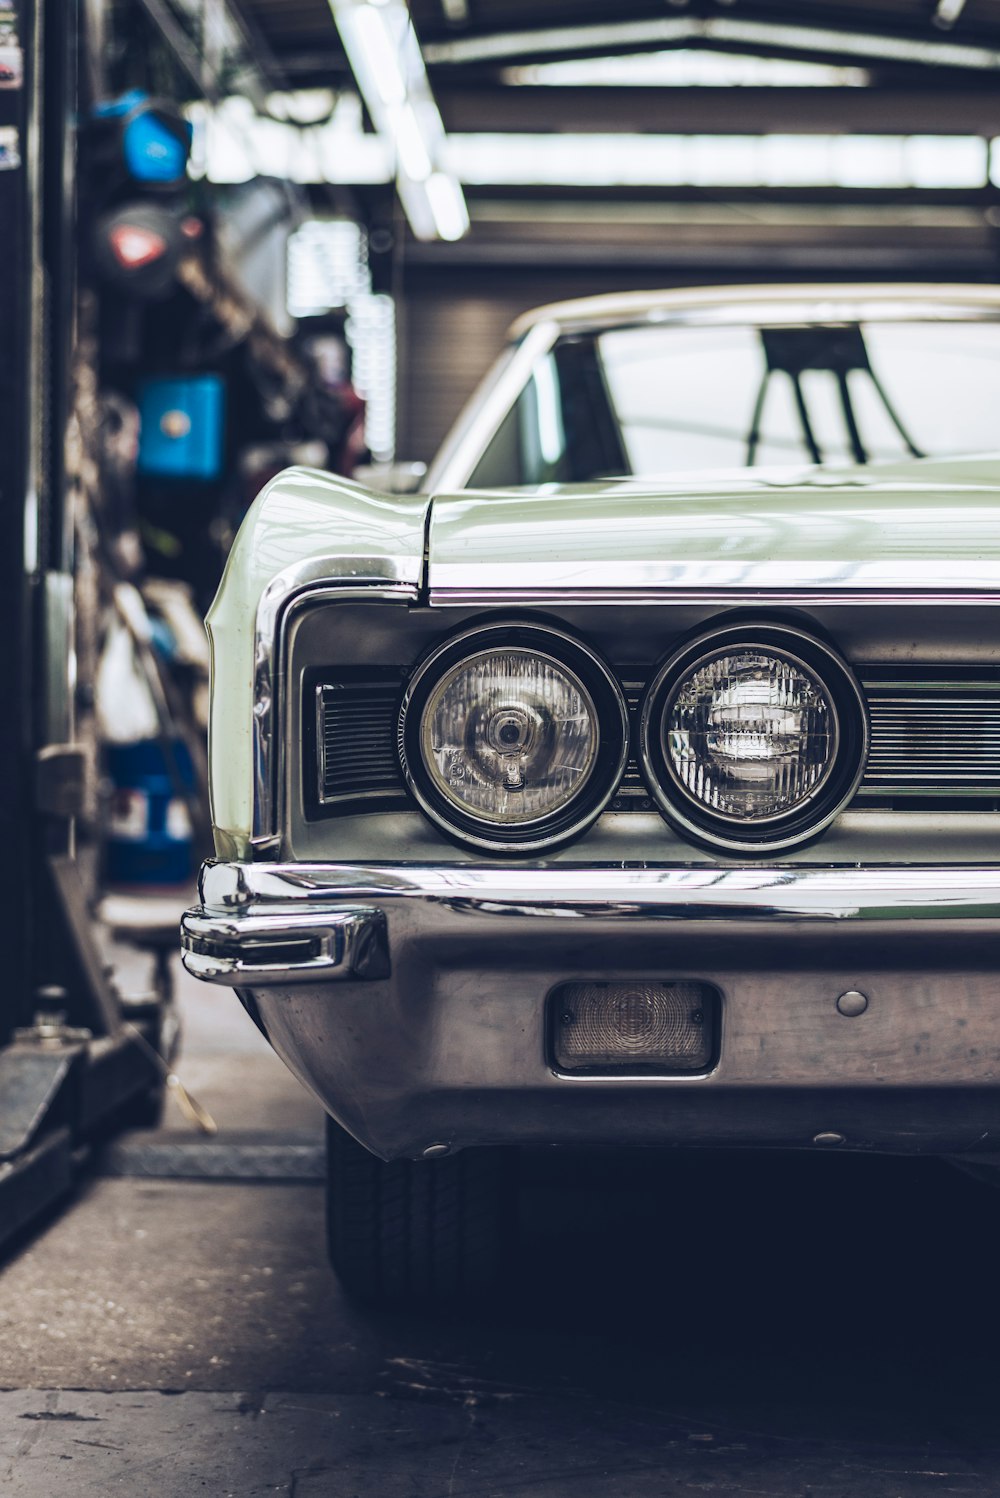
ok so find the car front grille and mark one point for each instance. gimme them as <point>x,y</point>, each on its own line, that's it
<point>934,739</point>
<point>356,741</point>
<point>938,738</point>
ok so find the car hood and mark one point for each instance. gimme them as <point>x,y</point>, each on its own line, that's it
<point>926,526</point>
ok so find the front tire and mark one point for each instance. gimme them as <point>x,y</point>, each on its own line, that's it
<point>417,1232</point>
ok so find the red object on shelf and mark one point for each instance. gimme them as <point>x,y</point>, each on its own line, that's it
<point>135,246</point>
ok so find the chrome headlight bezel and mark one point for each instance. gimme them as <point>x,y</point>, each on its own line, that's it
<point>808,818</point>
<point>611,711</point>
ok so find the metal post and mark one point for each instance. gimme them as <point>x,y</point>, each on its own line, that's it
<point>21,480</point>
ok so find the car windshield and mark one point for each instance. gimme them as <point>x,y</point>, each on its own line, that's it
<point>655,399</point>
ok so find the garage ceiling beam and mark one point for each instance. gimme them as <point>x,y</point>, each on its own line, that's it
<point>709,238</point>
<point>970,253</point>
<point>718,111</point>
<point>318,68</point>
<point>756,199</point>
<point>763,36</point>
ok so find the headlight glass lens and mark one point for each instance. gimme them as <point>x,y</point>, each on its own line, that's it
<point>750,734</point>
<point>509,736</point>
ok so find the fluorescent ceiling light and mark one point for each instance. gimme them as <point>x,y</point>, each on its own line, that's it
<point>371,332</point>
<point>384,54</point>
<point>617,160</point>
<point>411,149</point>
<point>448,202</point>
<point>303,106</point>
<point>684,67</point>
<point>327,266</point>
<point>599,37</point>
<point>947,13</point>
<point>372,53</point>
<point>233,144</point>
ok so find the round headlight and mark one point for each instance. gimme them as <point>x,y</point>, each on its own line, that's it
<point>513,737</point>
<point>751,735</point>
<point>509,736</point>
<point>754,737</point>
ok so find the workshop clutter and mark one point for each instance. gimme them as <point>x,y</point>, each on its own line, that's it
<point>152,735</point>
<point>194,385</point>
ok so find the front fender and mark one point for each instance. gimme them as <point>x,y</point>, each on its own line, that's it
<point>305,527</point>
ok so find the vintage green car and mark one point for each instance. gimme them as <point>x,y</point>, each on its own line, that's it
<point>639,782</point>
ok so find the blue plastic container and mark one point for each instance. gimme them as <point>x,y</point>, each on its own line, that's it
<point>149,837</point>
<point>155,139</point>
<point>182,427</point>
<point>153,151</point>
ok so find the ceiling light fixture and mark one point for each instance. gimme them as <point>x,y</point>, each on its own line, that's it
<point>385,57</point>
<point>684,67</point>
<point>448,204</point>
<point>947,13</point>
<point>868,162</point>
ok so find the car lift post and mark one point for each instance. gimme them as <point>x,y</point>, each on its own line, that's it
<point>67,1058</point>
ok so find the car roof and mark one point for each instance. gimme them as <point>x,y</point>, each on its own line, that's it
<point>805,301</point>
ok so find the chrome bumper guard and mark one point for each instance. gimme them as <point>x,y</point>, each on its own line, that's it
<point>266,924</point>
<point>278,947</point>
<point>448,1046</point>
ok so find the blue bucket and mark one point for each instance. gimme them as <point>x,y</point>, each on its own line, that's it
<point>149,834</point>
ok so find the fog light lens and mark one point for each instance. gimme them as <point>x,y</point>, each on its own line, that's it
<point>667,1026</point>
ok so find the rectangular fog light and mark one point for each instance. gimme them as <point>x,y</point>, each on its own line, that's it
<point>635,1026</point>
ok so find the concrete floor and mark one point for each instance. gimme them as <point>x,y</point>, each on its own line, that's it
<point>816,1326</point>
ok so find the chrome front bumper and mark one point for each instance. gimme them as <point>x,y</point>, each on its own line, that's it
<point>411,999</point>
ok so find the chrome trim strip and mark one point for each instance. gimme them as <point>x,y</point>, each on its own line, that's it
<point>838,302</point>
<point>776,893</point>
<point>660,576</point>
<point>318,579</point>
<point>320,731</point>
<point>240,949</point>
<point>566,597</point>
